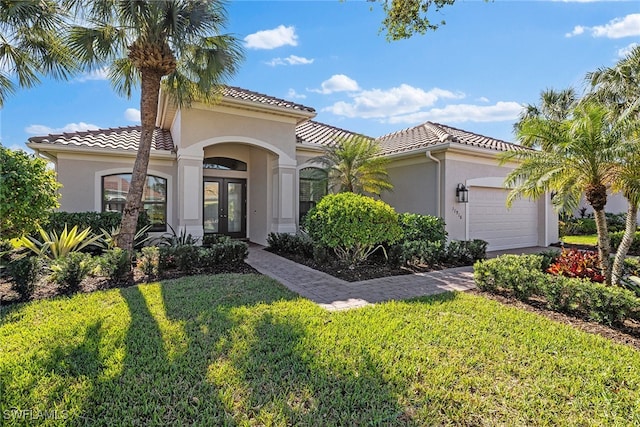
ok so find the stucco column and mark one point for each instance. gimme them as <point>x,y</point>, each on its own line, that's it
<point>284,198</point>
<point>190,194</point>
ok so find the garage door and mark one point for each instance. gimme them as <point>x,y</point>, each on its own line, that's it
<point>490,220</point>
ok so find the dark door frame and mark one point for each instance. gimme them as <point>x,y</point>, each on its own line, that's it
<point>223,213</point>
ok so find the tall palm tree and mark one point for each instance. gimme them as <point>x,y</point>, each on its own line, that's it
<point>147,42</point>
<point>354,165</point>
<point>618,87</point>
<point>579,159</point>
<point>31,45</point>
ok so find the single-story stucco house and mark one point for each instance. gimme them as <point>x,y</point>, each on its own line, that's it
<point>244,167</point>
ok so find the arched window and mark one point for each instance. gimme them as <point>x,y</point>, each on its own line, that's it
<point>154,197</point>
<point>313,187</point>
<point>224,163</point>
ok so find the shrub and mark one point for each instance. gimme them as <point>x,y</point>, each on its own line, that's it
<point>54,246</point>
<point>521,276</point>
<point>422,227</point>
<point>466,251</point>
<point>223,255</point>
<point>353,225</point>
<point>25,272</point>
<point>616,222</point>
<point>515,273</point>
<point>291,243</point>
<point>214,239</point>
<point>416,252</point>
<point>114,264</point>
<point>548,257</point>
<point>177,239</point>
<point>575,263</point>
<point>69,271</point>
<point>149,261</point>
<point>96,221</point>
<point>616,238</point>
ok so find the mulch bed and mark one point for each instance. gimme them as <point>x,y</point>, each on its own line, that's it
<point>45,289</point>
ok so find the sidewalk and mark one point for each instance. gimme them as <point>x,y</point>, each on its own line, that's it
<point>337,294</point>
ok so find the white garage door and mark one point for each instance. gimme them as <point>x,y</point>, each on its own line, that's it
<point>490,220</point>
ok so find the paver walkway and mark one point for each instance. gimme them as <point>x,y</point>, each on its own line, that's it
<point>337,294</point>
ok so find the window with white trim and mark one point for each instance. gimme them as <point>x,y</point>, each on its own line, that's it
<point>154,197</point>
<point>313,187</point>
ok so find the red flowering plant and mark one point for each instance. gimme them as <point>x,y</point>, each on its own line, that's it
<point>576,263</point>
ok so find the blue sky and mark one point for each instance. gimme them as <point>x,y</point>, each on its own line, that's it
<point>474,73</point>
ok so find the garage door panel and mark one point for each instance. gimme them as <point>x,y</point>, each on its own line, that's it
<point>490,220</point>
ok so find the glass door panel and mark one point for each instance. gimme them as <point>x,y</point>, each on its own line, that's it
<point>212,207</point>
<point>234,207</point>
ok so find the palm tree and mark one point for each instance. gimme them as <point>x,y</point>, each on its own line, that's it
<point>146,42</point>
<point>30,44</point>
<point>578,159</point>
<point>618,87</point>
<point>354,165</point>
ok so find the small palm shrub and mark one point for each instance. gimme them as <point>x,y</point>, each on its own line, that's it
<point>114,264</point>
<point>149,261</point>
<point>25,272</point>
<point>575,263</point>
<point>353,226</point>
<point>69,271</point>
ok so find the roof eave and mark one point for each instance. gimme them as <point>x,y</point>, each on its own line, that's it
<point>301,115</point>
<point>118,152</point>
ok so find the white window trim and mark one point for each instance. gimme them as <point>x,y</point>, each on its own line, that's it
<point>117,171</point>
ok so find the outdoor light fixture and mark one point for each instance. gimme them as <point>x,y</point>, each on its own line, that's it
<point>462,194</point>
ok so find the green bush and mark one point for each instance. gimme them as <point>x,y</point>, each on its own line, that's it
<point>521,276</point>
<point>69,271</point>
<point>196,259</point>
<point>97,221</point>
<point>549,257</point>
<point>417,252</point>
<point>466,251</point>
<point>291,243</point>
<point>149,261</point>
<point>214,239</point>
<point>25,272</point>
<point>616,238</point>
<point>422,227</point>
<point>353,225</point>
<point>515,273</point>
<point>114,264</point>
<point>616,222</point>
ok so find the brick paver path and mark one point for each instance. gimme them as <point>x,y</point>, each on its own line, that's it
<point>337,294</point>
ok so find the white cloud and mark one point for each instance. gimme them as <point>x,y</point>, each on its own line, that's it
<point>132,115</point>
<point>290,60</point>
<point>292,94</point>
<point>460,113</point>
<point>622,53</point>
<point>483,99</point>
<point>337,83</point>
<point>70,127</point>
<point>615,29</point>
<point>377,103</point>
<point>271,39</point>
<point>99,74</point>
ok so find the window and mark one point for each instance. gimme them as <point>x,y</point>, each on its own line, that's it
<point>313,187</point>
<point>224,163</point>
<point>154,197</point>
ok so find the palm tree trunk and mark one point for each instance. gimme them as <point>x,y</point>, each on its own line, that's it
<point>604,248</point>
<point>625,243</point>
<point>150,88</point>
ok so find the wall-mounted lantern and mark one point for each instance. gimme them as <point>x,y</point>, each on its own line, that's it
<point>462,194</point>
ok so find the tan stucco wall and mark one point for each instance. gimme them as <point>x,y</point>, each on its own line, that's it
<point>197,125</point>
<point>81,179</point>
<point>414,186</point>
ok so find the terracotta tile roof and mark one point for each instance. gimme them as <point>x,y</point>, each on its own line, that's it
<point>431,134</point>
<point>312,132</point>
<point>121,138</point>
<point>247,95</point>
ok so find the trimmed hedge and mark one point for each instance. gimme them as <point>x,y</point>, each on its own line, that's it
<point>521,276</point>
<point>95,220</point>
<point>196,259</point>
<point>422,227</point>
<point>291,243</point>
<point>616,238</point>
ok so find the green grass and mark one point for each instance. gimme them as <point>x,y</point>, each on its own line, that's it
<point>591,239</point>
<point>242,350</point>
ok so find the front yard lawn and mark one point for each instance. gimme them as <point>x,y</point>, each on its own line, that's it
<point>242,350</point>
<point>587,240</point>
